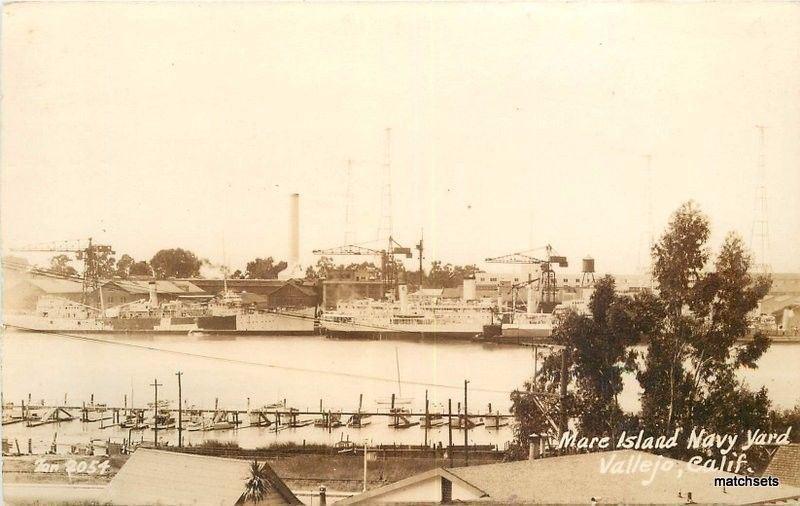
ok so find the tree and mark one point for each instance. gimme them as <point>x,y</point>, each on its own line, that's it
<point>124,266</point>
<point>689,375</point>
<point>59,264</point>
<point>448,275</point>
<point>596,351</point>
<point>106,264</point>
<point>324,266</point>
<point>599,352</point>
<point>175,263</point>
<point>693,326</point>
<point>264,268</point>
<point>140,268</point>
<point>257,485</point>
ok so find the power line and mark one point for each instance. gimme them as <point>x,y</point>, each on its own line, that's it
<point>95,340</point>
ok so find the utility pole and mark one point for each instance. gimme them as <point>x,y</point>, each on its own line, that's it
<point>180,411</point>
<point>364,489</point>
<point>450,430</point>
<point>420,248</point>
<point>466,426</point>
<point>427,418</point>
<point>759,236</point>
<point>155,384</point>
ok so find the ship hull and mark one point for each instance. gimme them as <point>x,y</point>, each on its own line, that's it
<point>252,325</point>
<point>399,334</point>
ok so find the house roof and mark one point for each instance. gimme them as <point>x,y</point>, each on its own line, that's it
<point>376,493</point>
<point>163,477</point>
<point>578,478</point>
<point>621,476</point>
<point>253,298</point>
<point>56,285</point>
<point>177,287</point>
<point>308,292</point>
<point>785,465</point>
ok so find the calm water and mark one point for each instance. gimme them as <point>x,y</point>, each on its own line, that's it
<point>301,370</point>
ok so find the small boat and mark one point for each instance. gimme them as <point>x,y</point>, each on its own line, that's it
<point>53,415</point>
<point>344,445</point>
<point>458,422</point>
<point>495,422</point>
<point>433,421</point>
<point>161,415</point>
<point>259,418</point>
<point>134,419</point>
<point>222,421</point>
<point>358,420</point>
<point>401,419</point>
<point>293,421</point>
<point>329,420</point>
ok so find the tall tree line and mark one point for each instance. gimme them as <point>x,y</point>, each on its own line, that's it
<point>690,350</point>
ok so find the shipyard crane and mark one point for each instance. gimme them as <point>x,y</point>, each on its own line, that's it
<point>84,250</point>
<point>547,279</point>
<point>389,274</point>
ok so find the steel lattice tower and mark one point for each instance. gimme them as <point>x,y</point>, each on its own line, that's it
<point>759,235</point>
<point>385,226</point>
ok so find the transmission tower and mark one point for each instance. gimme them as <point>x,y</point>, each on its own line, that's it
<point>385,227</point>
<point>651,240</point>
<point>759,235</point>
<point>348,197</point>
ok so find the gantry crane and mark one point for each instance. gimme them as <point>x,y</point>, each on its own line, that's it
<point>389,270</point>
<point>547,279</point>
<point>84,250</point>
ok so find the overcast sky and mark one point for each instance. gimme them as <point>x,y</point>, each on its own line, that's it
<point>152,126</point>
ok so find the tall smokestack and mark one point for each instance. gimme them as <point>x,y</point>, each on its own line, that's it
<point>294,230</point>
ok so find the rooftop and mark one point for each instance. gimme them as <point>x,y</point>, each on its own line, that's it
<point>56,285</point>
<point>164,477</point>
<point>628,478</point>
<point>785,464</point>
<point>621,476</point>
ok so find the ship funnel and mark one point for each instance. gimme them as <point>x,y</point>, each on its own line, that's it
<point>402,294</point>
<point>153,295</point>
<point>468,289</point>
<point>531,303</point>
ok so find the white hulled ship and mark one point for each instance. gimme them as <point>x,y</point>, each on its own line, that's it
<point>225,314</point>
<point>410,316</point>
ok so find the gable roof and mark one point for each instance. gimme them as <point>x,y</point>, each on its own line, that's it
<point>554,479</point>
<point>56,285</point>
<point>164,477</point>
<point>253,298</point>
<point>785,465</point>
<point>163,286</point>
<point>621,476</point>
<point>290,285</point>
<point>369,496</point>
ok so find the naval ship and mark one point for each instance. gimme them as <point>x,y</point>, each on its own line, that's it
<point>225,314</point>
<point>413,316</point>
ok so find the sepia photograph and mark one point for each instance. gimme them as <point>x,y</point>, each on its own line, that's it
<point>400,252</point>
